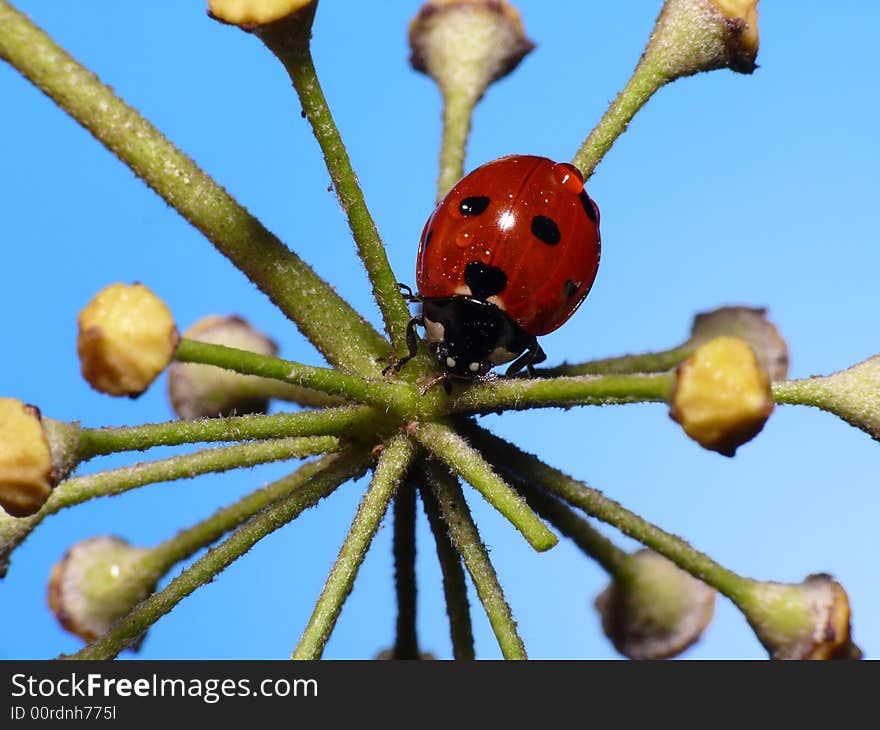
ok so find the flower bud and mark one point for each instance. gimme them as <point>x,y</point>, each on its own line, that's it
<point>691,36</point>
<point>98,581</point>
<point>850,394</point>
<point>126,338</point>
<point>809,620</point>
<point>751,325</point>
<point>655,610</point>
<point>199,391</point>
<point>26,478</point>
<point>465,45</point>
<point>248,13</point>
<point>722,395</point>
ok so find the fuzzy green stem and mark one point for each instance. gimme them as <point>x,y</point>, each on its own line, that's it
<point>447,445</point>
<point>289,41</point>
<point>301,494</point>
<point>325,380</point>
<point>116,481</point>
<point>406,644</point>
<point>520,466</point>
<point>647,362</point>
<point>336,330</point>
<point>189,541</point>
<point>458,109</point>
<point>523,393</point>
<point>454,586</point>
<point>393,462</point>
<point>340,421</point>
<point>466,539</point>
<point>613,559</point>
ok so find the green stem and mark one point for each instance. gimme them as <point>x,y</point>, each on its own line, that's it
<point>340,421</point>
<point>458,109</point>
<point>324,380</point>
<point>289,41</point>
<point>454,586</point>
<point>189,541</point>
<point>116,481</point>
<point>447,445</point>
<point>647,362</point>
<point>302,494</point>
<point>393,462</point>
<point>523,393</point>
<point>466,538</point>
<point>520,466</point>
<point>613,559</point>
<point>328,321</point>
<point>406,644</point>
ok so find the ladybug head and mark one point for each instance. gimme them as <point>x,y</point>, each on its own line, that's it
<point>468,337</point>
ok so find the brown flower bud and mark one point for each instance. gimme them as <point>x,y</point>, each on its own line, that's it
<point>655,610</point>
<point>809,620</point>
<point>722,395</point>
<point>126,338</point>
<point>199,391</point>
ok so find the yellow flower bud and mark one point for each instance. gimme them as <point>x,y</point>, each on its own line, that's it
<point>98,581</point>
<point>126,338</point>
<point>754,327</point>
<point>744,16</point>
<point>25,459</point>
<point>199,391</point>
<point>656,610</point>
<point>808,620</point>
<point>722,395</point>
<point>254,12</point>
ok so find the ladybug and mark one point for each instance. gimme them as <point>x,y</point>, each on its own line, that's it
<point>508,255</point>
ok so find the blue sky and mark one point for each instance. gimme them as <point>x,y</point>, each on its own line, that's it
<point>727,189</point>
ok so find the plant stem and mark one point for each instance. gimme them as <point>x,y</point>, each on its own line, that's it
<point>458,109</point>
<point>466,539</point>
<point>406,644</point>
<point>303,493</point>
<point>523,393</point>
<point>447,445</point>
<point>340,421</point>
<point>289,41</point>
<point>647,362</point>
<point>189,541</point>
<point>454,586</point>
<point>116,481</point>
<point>328,321</point>
<point>520,466</point>
<point>324,380</point>
<point>393,462</point>
<point>613,559</point>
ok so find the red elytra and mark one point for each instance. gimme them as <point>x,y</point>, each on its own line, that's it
<point>527,217</point>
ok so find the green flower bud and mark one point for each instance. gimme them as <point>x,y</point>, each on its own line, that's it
<point>654,610</point>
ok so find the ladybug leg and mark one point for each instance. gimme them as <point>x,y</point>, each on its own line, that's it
<point>412,343</point>
<point>531,357</point>
<point>407,293</point>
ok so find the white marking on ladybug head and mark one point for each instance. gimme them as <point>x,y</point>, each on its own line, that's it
<point>500,355</point>
<point>434,331</point>
<point>464,290</point>
<point>496,301</point>
<point>474,366</point>
<point>450,362</point>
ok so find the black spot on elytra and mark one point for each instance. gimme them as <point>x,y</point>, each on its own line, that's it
<point>428,236</point>
<point>484,281</point>
<point>570,288</point>
<point>589,207</point>
<point>546,230</point>
<point>474,205</point>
